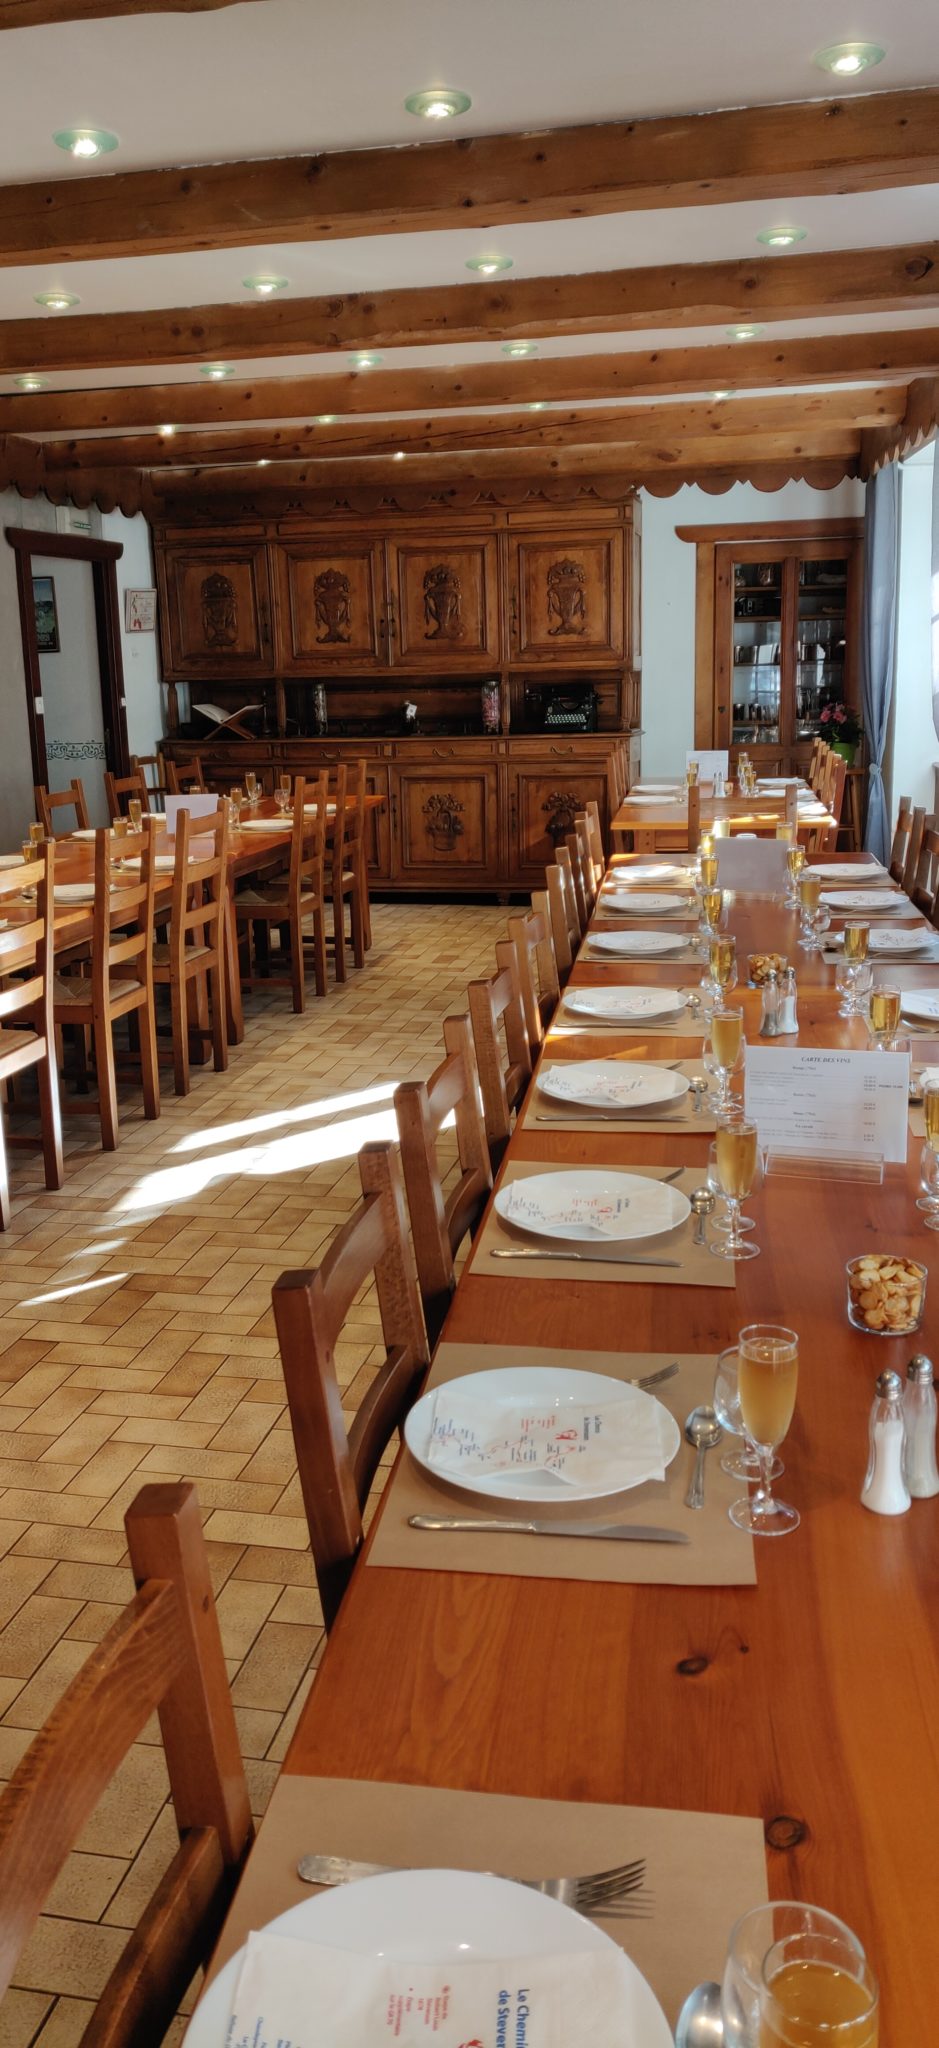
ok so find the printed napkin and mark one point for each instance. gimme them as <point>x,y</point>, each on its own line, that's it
<point>616,1443</point>
<point>294,1994</point>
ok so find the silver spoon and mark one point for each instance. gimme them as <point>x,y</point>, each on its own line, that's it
<point>699,2022</point>
<point>703,1430</point>
<point>703,1204</point>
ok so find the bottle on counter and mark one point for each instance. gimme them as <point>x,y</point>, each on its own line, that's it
<point>919,1421</point>
<point>885,1490</point>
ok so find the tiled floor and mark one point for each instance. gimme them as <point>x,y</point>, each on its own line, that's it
<point>136,1342</point>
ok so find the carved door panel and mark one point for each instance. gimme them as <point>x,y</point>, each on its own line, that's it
<point>445,824</point>
<point>543,803</point>
<point>566,598</point>
<point>217,610</point>
<point>331,611</point>
<point>445,602</point>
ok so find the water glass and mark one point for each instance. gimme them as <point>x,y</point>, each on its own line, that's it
<point>37,832</point>
<point>928,1201</point>
<point>726,1402</point>
<point>855,980</point>
<point>251,785</point>
<point>721,1223</point>
<point>30,849</point>
<point>818,1993</point>
<point>767,1378</point>
<point>135,813</point>
<point>754,1937</point>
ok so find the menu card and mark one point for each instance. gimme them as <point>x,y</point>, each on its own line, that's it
<point>826,1101</point>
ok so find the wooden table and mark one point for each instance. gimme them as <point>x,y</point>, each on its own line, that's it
<point>658,826</point>
<point>811,1700</point>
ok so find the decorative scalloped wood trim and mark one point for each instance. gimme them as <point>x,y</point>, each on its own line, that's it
<point>22,466</point>
<point>880,445</point>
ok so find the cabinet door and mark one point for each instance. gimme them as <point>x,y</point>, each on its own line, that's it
<point>543,803</point>
<point>445,824</point>
<point>330,604</point>
<point>446,602</point>
<point>566,600</point>
<point>217,608</point>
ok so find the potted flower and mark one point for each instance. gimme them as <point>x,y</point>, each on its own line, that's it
<point>842,728</point>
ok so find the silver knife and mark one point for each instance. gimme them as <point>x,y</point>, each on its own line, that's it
<point>582,1258</point>
<point>616,1532</point>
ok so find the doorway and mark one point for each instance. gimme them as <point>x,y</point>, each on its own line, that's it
<point>67,588</point>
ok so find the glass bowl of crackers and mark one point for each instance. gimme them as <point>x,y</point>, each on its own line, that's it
<point>886,1295</point>
<point>761,965</point>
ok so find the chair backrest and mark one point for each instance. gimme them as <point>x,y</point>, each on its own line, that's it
<point>198,883</point>
<point>815,763</point>
<point>923,891</point>
<point>70,799</point>
<point>119,789</point>
<point>595,831</point>
<point>574,851</point>
<point>153,769</point>
<point>337,1469</point>
<point>914,843</point>
<point>901,837</point>
<point>353,818</point>
<point>495,1009</point>
<point>164,1652</point>
<point>182,781</point>
<point>122,924</point>
<point>834,796</point>
<point>28,955</point>
<point>542,906</point>
<point>562,916</point>
<point>576,910</point>
<point>537,970</point>
<point>440,1222</point>
<point>308,838</point>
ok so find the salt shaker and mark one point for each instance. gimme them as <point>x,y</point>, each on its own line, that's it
<point>788,1018</point>
<point>885,1490</point>
<point>919,1420</point>
<point>769,1013</point>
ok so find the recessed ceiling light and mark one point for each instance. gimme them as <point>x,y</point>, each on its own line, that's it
<point>85,142</point>
<point>537,405</point>
<point>520,348</point>
<point>717,395</point>
<point>325,419</point>
<point>847,59</point>
<point>215,372</point>
<point>264,461</point>
<point>440,104</point>
<point>489,266</point>
<point>364,359</point>
<point>30,383</point>
<point>399,455</point>
<point>265,287</point>
<point>167,432</point>
<point>745,333</point>
<point>781,238</point>
<point>57,302</point>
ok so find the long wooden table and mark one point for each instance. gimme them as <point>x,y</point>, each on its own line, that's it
<point>658,826</point>
<point>811,1700</point>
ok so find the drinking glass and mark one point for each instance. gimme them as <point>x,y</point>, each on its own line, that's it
<point>752,1939</point>
<point>810,889</point>
<point>37,832</point>
<point>691,774</point>
<point>235,801</point>
<point>722,958</point>
<point>706,844</point>
<point>727,1049</point>
<point>767,1377</point>
<point>30,849</point>
<point>135,813</point>
<point>726,1400</point>
<point>708,870</point>
<point>282,796</point>
<point>737,1155</point>
<point>928,1201</point>
<point>795,862</point>
<point>251,785</point>
<point>712,908</point>
<point>817,1993</point>
<point>722,1222</point>
<point>883,1016</point>
<point>120,828</point>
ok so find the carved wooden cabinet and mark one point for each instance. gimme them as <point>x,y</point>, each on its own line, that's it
<point>444,600</point>
<point>331,604</point>
<point>548,783</point>
<point>216,603</point>
<point>445,818</point>
<point>566,593</point>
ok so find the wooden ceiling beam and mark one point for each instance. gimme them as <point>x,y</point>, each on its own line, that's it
<point>23,465</point>
<point>851,281</point>
<point>861,144</point>
<point>48,13</point>
<point>876,407</point>
<point>918,425</point>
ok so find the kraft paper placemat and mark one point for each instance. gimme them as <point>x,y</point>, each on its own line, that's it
<point>545,1113</point>
<point>683,1025</point>
<point>717,1555</point>
<point>696,1267</point>
<point>702,1869</point>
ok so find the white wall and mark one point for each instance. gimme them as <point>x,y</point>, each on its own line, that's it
<point>913,745</point>
<point>140,651</point>
<point>73,713</point>
<point>668,594</point>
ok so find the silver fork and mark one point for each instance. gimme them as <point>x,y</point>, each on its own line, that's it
<point>596,1893</point>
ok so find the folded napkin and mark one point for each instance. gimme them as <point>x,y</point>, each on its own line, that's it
<point>615,1444</point>
<point>588,1210</point>
<point>621,1091</point>
<point>297,1994</point>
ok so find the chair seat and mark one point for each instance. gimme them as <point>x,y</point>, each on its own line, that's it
<point>76,993</point>
<point>270,902</point>
<point>161,957</point>
<point>15,1041</point>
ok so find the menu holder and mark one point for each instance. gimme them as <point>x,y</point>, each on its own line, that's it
<point>830,1103</point>
<point>827,1166</point>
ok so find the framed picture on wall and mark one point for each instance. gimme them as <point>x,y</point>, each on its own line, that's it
<point>47,618</point>
<point>140,611</point>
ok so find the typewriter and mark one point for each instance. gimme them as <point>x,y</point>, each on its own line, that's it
<point>572,708</point>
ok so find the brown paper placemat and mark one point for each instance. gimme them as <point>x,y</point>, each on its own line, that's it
<point>696,1267</point>
<point>717,1554</point>
<point>702,1869</point>
<point>543,1113</point>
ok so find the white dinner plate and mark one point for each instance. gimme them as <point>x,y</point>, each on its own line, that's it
<point>12,860</point>
<point>590,1205</point>
<point>612,1084</point>
<point>424,1916</point>
<point>864,899</point>
<point>812,810</point>
<point>900,942</point>
<point>265,825</point>
<point>636,945</point>
<point>624,1005</point>
<point>921,1005</point>
<point>667,871</point>
<point>768,782</point>
<point>547,1386</point>
<point>647,903</point>
<point>655,789</point>
<point>850,871</point>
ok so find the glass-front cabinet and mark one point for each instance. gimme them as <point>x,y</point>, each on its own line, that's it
<point>785,634</point>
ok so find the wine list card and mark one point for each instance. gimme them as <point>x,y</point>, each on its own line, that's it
<point>830,1101</point>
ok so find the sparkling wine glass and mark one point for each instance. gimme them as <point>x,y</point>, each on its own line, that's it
<point>722,960</point>
<point>722,1222</point>
<point>928,1201</point>
<point>856,939</point>
<point>810,889</point>
<point>727,1049</point>
<point>135,813</point>
<point>251,785</point>
<point>707,868</point>
<point>767,1378</point>
<point>743,1464</point>
<point>752,1939</point>
<point>737,1154</point>
<point>795,862</point>
<point>883,1016</point>
<point>282,794</point>
<point>817,1993</point>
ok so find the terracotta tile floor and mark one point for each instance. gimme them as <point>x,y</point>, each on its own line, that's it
<point>137,1342</point>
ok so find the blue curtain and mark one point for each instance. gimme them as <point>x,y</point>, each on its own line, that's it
<point>878,641</point>
<point>934,586</point>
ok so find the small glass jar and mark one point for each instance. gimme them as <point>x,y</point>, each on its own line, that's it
<point>886,1296</point>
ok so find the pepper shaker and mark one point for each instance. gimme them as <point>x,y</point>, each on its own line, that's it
<point>769,1014</point>
<point>919,1420</point>
<point>885,1490</point>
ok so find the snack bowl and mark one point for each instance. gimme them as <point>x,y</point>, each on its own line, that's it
<point>761,965</point>
<point>886,1294</point>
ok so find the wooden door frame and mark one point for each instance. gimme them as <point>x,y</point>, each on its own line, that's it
<point>103,556</point>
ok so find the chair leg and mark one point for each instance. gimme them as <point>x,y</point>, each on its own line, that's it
<point>362,866</point>
<point>5,1210</point>
<point>319,950</point>
<point>149,1058</point>
<point>50,1111</point>
<point>216,983</point>
<point>179,1012</point>
<point>107,1079</point>
<point>297,975</point>
<point>358,923</point>
<point>339,931</point>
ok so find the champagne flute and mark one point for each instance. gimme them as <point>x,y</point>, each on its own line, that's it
<point>708,870</point>
<point>767,1378</point>
<point>712,908</point>
<point>30,849</point>
<point>856,939</point>
<point>810,889</point>
<point>722,959</point>
<point>135,813</point>
<point>282,794</point>
<point>251,785</point>
<point>928,1201</point>
<point>883,1016</point>
<point>752,1938</point>
<point>726,1046</point>
<point>743,1464</point>
<point>737,1153</point>
<point>37,832</point>
<point>795,862</point>
<point>722,1222</point>
<point>817,1993</point>
<point>691,774</point>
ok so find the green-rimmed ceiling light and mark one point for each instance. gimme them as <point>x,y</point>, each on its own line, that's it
<point>719,395</point>
<point>57,302</point>
<point>441,103</point>
<point>325,419</point>
<point>167,432</point>
<point>364,359</point>
<point>216,372</point>
<point>30,383</point>
<point>847,59</point>
<point>520,348</point>
<point>781,238</point>
<point>745,332</point>
<point>265,287</point>
<point>488,266</point>
<point>399,455</point>
<point>537,405</point>
<point>84,143</point>
<point>264,462</point>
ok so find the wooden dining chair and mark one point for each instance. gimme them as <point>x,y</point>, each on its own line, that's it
<point>923,889</point>
<point>496,1013</point>
<point>595,832</point>
<point>901,838</point>
<point>542,907</point>
<point>577,906</point>
<point>815,763</point>
<point>913,847</point>
<point>182,781</point>
<point>345,875</point>
<point>537,971</point>
<point>439,1221</point>
<point>120,981</point>
<point>565,927</point>
<point>357,847</point>
<point>191,961</point>
<point>153,769</point>
<point>572,847</point>
<point>164,1654</point>
<point>291,900</point>
<point>27,1035</point>
<point>119,789</point>
<point>337,1468</point>
<point>51,802</point>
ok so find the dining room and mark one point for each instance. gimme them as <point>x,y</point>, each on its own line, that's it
<point>469,1024</point>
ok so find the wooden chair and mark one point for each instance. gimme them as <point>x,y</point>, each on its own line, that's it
<point>496,1005</point>
<point>337,1469</point>
<point>542,907</point>
<point>566,865</point>
<point>153,769</point>
<point>27,1037</point>
<point>292,898</point>
<point>913,847</point>
<point>439,1223</point>
<point>119,789</point>
<point>191,963</point>
<point>345,873</point>
<point>565,927</point>
<point>574,851</point>
<point>816,761</point>
<point>923,891</point>
<point>901,838</point>
<point>70,799</point>
<point>357,849</point>
<point>537,971</point>
<point>164,1652</point>
<point>595,832</point>
<point>120,981</point>
<point>182,781</point>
